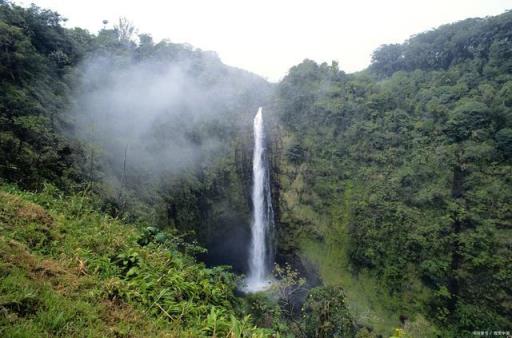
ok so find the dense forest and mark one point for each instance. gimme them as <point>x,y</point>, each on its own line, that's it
<point>400,176</point>
<point>125,186</point>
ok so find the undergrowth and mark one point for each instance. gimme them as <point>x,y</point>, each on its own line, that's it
<point>68,270</point>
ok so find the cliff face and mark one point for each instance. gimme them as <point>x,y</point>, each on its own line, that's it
<point>224,229</point>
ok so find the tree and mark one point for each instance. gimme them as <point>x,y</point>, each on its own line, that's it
<point>125,31</point>
<point>288,287</point>
<point>468,117</point>
<point>387,59</point>
<point>326,314</point>
<point>504,141</point>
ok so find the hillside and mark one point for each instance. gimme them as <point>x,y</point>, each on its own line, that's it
<point>396,181</point>
<point>67,270</point>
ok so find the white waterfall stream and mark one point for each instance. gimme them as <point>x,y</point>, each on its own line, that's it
<point>261,253</point>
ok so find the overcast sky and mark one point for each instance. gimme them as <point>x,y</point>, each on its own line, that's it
<point>269,36</point>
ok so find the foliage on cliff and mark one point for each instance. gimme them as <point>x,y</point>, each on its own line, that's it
<point>403,173</point>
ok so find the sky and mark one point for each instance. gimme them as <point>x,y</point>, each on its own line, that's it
<point>268,37</point>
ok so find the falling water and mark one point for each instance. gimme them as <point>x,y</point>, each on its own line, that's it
<point>261,254</point>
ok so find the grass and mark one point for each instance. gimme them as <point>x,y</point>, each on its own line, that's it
<point>67,270</point>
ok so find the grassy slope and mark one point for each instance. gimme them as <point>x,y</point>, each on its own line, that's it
<point>67,270</point>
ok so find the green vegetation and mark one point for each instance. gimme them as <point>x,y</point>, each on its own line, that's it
<point>326,314</point>
<point>396,181</point>
<point>36,58</point>
<point>54,127</point>
<point>67,270</point>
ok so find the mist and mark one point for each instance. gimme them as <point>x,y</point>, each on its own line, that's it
<point>163,113</point>
<point>169,112</point>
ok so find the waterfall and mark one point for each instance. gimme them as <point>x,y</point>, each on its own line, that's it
<point>261,254</point>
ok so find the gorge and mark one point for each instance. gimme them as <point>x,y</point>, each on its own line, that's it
<point>138,190</point>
